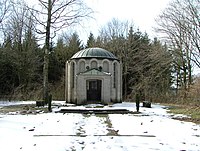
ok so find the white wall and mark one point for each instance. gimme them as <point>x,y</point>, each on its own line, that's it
<point>78,92</point>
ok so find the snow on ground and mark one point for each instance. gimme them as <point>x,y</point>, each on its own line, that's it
<point>152,129</point>
<point>8,103</point>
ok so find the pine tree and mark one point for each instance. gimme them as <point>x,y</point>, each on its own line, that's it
<point>74,44</point>
<point>90,41</point>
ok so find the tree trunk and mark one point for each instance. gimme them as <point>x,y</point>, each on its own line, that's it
<point>125,81</point>
<point>46,55</point>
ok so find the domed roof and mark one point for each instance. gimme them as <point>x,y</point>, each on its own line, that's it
<point>94,53</point>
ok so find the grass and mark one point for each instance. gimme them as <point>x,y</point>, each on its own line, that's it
<point>192,111</point>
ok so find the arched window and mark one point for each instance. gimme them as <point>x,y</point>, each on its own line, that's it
<point>82,66</point>
<point>93,64</point>
<point>106,66</point>
<point>114,74</point>
<point>73,73</point>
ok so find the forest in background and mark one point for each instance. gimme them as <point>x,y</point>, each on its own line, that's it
<point>159,68</point>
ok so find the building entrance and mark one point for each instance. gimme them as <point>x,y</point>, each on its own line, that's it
<point>94,90</point>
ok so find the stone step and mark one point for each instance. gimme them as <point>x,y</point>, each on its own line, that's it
<point>95,110</point>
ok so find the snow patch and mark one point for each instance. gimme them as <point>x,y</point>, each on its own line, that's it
<point>151,129</point>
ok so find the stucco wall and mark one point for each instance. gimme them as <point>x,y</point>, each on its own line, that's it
<point>76,92</point>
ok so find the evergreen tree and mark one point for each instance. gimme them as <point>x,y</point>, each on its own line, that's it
<point>90,41</point>
<point>74,44</point>
<point>61,53</point>
<point>32,60</point>
<point>8,68</point>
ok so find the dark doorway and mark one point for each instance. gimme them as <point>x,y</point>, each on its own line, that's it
<point>94,90</point>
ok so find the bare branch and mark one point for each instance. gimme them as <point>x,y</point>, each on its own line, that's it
<point>4,9</point>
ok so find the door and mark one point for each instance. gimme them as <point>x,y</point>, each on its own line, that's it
<point>94,90</point>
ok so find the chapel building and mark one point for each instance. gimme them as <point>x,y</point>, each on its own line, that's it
<point>93,75</point>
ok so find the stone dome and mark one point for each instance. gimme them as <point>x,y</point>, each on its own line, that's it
<point>94,53</point>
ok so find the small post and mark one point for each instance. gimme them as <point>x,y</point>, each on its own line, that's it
<point>49,103</point>
<point>137,99</point>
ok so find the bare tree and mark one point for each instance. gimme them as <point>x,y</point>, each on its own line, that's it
<point>181,27</point>
<point>4,8</point>
<point>4,12</point>
<point>52,16</point>
<point>193,28</point>
<point>114,34</point>
<point>19,50</point>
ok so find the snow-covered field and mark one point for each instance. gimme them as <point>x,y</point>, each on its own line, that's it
<point>152,129</point>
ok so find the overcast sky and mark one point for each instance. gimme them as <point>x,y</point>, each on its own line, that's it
<point>141,12</point>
